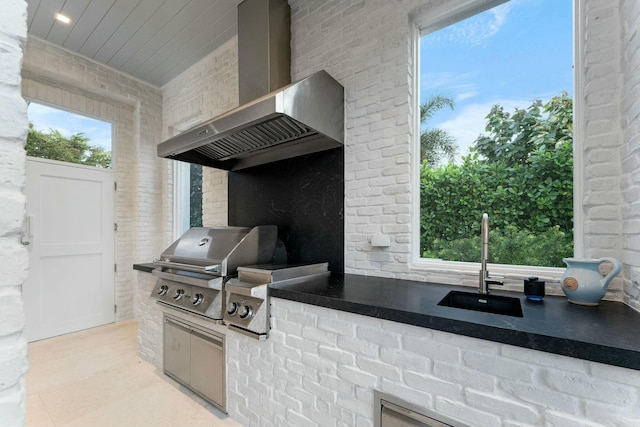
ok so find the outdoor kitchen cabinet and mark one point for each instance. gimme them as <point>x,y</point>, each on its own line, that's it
<point>195,358</point>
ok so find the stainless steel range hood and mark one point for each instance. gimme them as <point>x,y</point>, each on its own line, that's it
<point>299,118</point>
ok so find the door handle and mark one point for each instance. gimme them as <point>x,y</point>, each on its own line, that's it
<point>27,234</point>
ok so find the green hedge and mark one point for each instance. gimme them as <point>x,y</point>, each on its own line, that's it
<point>530,207</point>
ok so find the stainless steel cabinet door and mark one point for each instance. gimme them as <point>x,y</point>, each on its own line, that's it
<point>177,351</point>
<point>207,362</point>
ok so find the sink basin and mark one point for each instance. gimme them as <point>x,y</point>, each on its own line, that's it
<point>487,303</point>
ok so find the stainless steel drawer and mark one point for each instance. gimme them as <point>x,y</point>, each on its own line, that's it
<point>393,412</point>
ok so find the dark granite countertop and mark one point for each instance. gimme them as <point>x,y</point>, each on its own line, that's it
<point>606,334</point>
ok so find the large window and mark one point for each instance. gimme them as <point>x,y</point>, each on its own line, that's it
<point>496,131</point>
<point>57,134</point>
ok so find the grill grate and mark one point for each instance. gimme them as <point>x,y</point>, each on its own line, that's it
<point>272,132</point>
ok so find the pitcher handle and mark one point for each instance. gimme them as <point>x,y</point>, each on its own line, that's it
<point>617,268</point>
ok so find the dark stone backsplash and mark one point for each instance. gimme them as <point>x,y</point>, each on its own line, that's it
<point>303,196</point>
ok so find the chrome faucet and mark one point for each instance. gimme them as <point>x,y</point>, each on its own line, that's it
<point>485,281</point>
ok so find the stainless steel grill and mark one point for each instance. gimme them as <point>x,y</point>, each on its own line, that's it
<point>193,271</point>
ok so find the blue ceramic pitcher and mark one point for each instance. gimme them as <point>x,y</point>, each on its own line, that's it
<point>583,283</point>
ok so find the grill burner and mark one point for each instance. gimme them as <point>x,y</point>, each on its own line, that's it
<point>192,271</point>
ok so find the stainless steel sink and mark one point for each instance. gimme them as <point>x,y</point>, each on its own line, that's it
<point>495,304</point>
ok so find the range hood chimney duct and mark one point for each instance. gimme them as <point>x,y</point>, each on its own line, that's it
<point>264,50</point>
<point>276,120</point>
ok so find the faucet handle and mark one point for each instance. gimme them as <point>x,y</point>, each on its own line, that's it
<point>493,282</point>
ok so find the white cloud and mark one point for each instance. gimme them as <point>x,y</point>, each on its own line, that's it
<point>466,95</point>
<point>475,30</point>
<point>457,86</point>
<point>446,79</point>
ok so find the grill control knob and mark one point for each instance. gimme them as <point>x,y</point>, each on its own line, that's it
<point>246,312</point>
<point>197,299</point>
<point>232,308</point>
<point>178,295</point>
<point>162,290</point>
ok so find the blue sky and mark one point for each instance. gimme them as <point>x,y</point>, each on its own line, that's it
<point>509,55</point>
<point>67,123</point>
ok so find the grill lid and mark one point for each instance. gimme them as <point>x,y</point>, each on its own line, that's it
<point>220,250</point>
<point>204,246</point>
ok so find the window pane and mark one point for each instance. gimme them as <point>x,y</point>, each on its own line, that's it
<point>195,195</point>
<point>496,135</point>
<point>60,135</point>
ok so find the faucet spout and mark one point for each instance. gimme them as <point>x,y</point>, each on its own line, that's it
<point>483,283</point>
<point>484,254</point>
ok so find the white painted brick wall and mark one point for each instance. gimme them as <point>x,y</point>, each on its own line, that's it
<point>205,90</point>
<point>319,368</point>
<point>149,317</point>
<point>366,46</point>
<point>58,77</point>
<point>604,235</point>
<point>14,264</point>
<point>630,106</point>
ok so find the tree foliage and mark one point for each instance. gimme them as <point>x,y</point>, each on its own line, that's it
<point>521,174</point>
<point>513,137</point>
<point>436,144</point>
<point>75,149</point>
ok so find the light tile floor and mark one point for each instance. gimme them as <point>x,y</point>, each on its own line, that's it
<point>94,378</point>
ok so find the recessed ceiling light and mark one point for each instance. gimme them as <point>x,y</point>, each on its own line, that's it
<point>62,18</point>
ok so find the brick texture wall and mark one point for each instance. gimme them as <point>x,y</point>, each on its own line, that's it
<point>149,317</point>
<point>630,110</point>
<point>602,202</point>
<point>320,366</point>
<point>366,46</point>
<point>14,264</point>
<point>58,77</point>
<point>205,90</point>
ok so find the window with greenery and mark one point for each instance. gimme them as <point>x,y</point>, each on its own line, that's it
<point>496,134</point>
<point>187,197</point>
<point>56,134</point>
<point>195,195</point>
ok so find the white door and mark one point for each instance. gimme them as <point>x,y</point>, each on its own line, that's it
<point>70,237</point>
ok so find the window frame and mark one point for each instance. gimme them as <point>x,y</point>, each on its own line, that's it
<point>181,199</point>
<point>181,190</point>
<point>430,20</point>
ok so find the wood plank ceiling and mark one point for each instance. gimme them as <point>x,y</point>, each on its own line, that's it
<point>152,40</point>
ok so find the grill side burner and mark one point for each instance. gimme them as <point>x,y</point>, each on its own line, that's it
<point>247,297</point>
<point>194,269</point>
